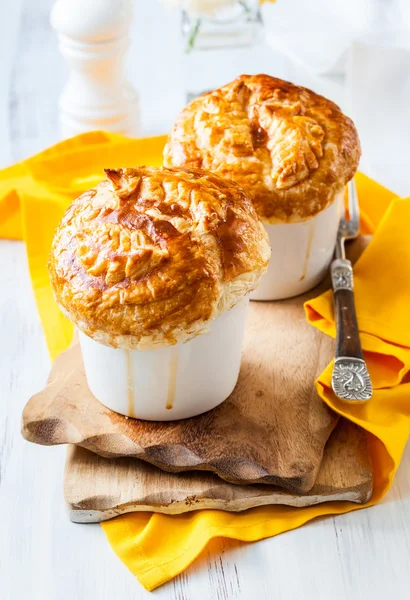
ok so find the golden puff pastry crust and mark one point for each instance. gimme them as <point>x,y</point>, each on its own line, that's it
<point>290,149</point>
<point>152,255</point>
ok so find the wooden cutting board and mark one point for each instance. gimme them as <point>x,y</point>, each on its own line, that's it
<point>272,429</point>
<point>97,488</point>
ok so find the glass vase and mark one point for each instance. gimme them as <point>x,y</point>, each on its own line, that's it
<point>220,46</point>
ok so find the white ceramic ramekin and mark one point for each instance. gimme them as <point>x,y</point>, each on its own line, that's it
<point>169,383</point>
<point>301,254</point>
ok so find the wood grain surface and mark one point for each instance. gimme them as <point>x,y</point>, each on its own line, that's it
<point>271,430</point>
<point>97,488</point>
<point>348,338</point>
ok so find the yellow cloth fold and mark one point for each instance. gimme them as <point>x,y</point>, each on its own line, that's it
<point>35,193</point>
<point>33,197</point>
<point>382,293</point>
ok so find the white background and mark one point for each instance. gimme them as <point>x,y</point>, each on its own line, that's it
<point>42,555</point>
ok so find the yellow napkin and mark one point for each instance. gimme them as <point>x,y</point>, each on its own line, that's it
<point>35,193</point>
<point>33,197</point>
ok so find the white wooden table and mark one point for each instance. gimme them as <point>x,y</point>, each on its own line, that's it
<point>42,555</point>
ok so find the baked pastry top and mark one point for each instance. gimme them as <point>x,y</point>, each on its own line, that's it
<point>152,255</point>
<point>290,149</point>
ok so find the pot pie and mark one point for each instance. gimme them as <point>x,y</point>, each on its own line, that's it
<point>290,149</point>
<point>151,256</point>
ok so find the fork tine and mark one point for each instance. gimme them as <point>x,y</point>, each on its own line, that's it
<point>354,211</point>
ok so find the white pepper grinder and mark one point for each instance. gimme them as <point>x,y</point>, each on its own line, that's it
<point>93,38</point>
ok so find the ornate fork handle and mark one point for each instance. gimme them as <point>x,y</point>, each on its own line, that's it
<point>350,379</point>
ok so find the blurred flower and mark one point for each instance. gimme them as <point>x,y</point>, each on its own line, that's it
<point>200,10</point>
<point>199,7</point>
<point>205,7</point>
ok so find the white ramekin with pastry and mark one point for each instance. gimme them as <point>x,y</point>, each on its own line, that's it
<point>292,151</point>
<point>155,267</point>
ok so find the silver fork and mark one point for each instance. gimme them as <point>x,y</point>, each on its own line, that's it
<point>350,378</point>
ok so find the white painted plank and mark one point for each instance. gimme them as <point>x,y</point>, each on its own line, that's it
<point>37,78</point>
<point>10,17</point>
